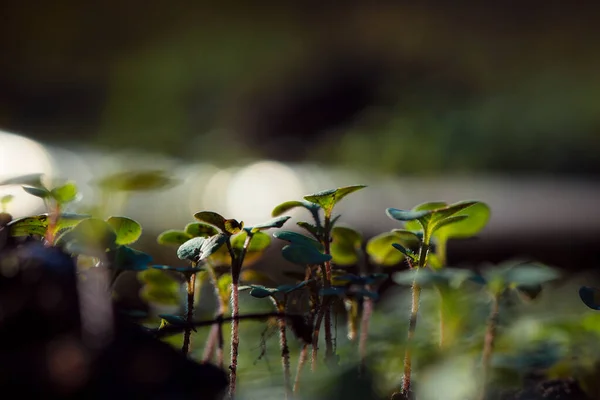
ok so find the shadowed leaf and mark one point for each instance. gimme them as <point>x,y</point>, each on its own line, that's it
<point>590,297</point>
<point>130,259</point>
<point>173,237</point>
<point>310,228</point>
<point>198,229</point>
<point>304,255</point>
<point>199,248</point>
<point>37,192</point>
<point>297,238</point>
<point>274,223</point>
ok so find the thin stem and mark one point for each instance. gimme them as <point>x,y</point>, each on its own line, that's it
<point>441,254</point>
<point>301,362</point>
<point>53,215</point>
<point>414,312</point>
<point>364,331</point>
<point>317,330</point>
<point>236,268</point>
<point>488,345</point>
<point>191,284</point>
<point>327,283</point>
<point>285,351</point>
<point>215,338</point>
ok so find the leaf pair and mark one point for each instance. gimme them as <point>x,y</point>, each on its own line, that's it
<point>302,250</point>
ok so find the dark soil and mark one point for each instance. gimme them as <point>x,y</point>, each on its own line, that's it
<point>554,389</point>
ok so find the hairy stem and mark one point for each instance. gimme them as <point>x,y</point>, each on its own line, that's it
<point>301,362</point>
<point>327,283</point>
<point>488,345</point>
<point>191,284</point>
<point>215,338</point>
<point>236,268</point>
<point>285,350</point>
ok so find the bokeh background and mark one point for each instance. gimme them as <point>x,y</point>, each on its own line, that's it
<point>249,105</point>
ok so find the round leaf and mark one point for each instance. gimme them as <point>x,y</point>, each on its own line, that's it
<point>345,246</point>
<point>304,255</point>
<point>199,248</point>
<point>127,230</point>
<point>327,199</point>
<point>4,200</point>
<point>65,193</point>
<point>91,233</point>
<point>477,215</point>
<point>289,205</point>
<point>297,238</point>
<point>132,181</point>
<point>212,218</point>
<point>380,250</point>
<point>260,241</point>
<point>198,229</point>
<point>173,237</point>
<point>429,206</point>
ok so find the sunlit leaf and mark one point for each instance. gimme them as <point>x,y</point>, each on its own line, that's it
<point>90,234</point>
<point>132,181</point>
<point>297,238</point>
<point>233,227</point>
<point>211,218</point>
<point>173,237</point>
<point>345,246</point>
<point>405,215</point>
<point>42,193</point>
<point>327,199</point>
<point>304,255</point>
<point>128,231</point>
<point>224,287</point>
<point>381,251</point>
<point>590,297</point>
<point>198,229</point>
<point>289,205</point>
<point>161,294</point>
<point>65,193</point>
<point>199,248</point>
<point>274,223</point>
<point>477,215</point>
<point>158,277</point>
<point>259,243</point>
<point>255,277</point>
<point>4,200</point>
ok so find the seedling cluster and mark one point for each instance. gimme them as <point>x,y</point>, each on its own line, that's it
<point>334,266</point>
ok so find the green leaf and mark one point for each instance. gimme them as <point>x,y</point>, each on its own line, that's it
<point>429,206</point>
<point>224,287</point>
<point>160,294</point>
<point>327,199</point>
<point>158,277</point>
<point>128,231</point>
<point>37,192</point>
<point>310,228</point>
<point>233,227</point>
<point>65,193</point>
<point>261,292</point>
<point>452,277</point>
<point>198,229</point>
<point>452,209</point>
<point>288,205</point>
<point>211,218</point>
<point>91,234</point>
<point>134,181</point>
<point>380,250</point>
<point>477,217</point>
<point>406,215</point>
<point>255,277</point>
<point>34,180</point>
<point>274,223</point>
<point>36,225</point>
<point>530,274</point>
<point>345,246</point>
<point>4,200</point>
<point>407,252</point>
<point>291,288</point>
<point>590,297</point>
<point>173,237</point>
<point>449,221</point>
<point>260,241</point>
<point>130,259</point>
<point>199,248</point>
<point>297,238</point>
<point>304,255</point>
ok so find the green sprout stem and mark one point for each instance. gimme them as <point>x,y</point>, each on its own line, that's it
<point>441,254</point>
<point>215,338</point>
<point>488,345</point>
<point>191,284</point>
<point>285,350</point>
<point>236,268</point>
<point>327,283</point>
<point>414,311</point>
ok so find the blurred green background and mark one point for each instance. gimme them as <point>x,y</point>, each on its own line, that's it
<point>475,86</point>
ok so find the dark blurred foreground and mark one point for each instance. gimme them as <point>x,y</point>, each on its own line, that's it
<point>47,350</point>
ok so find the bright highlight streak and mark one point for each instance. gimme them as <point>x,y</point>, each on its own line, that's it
<point>254,191</point>
<point>21,156</point>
